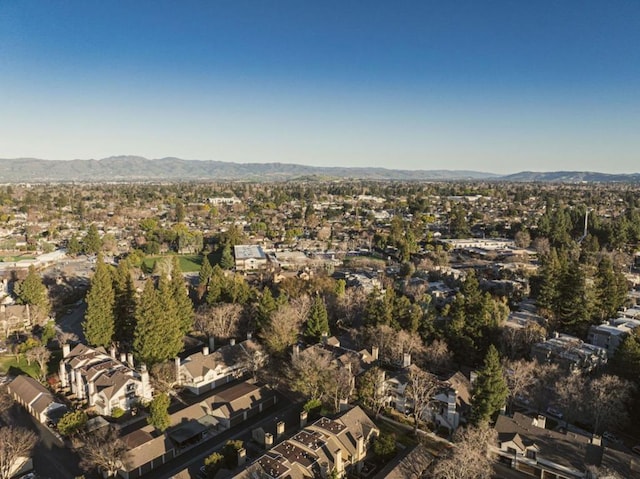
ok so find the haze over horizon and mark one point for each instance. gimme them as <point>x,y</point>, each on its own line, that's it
<point>498,87</point>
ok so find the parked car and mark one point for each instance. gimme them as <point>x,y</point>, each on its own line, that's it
<point>554,411</point>
<point>612,438</point>
<point>636,449</point>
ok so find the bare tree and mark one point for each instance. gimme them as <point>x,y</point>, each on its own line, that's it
<point>105,451</point>
<point>41,355</point>
<point>16,444</point>
<point>469,458</point>
<point>371,389</point>
<point>5,400</point>
<point>311,373</point>
<point>283,328</point>
<point>420,391</point>
<point>605,401</point>
<point>65,337</point>
<point>221,321</point>
<point>343,383</point>
<point>570,391</point>
<point>437,355</point>
<point>545,375</point>
<point>351,304</point>
<point>520,377</point>
<point>516,342</point>
<point>253,358</point>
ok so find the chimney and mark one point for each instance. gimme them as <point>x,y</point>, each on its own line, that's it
<point>596,440</point>
<point>113,351</point>
<point>242,456</point>
<point>62,372</point>
<point>147,391</point>
<point>205,351</point>
<point>337,462</point>
<point>375,352</point>
<point>268,440</point>
<point>176,362</point>
<point>79,385</point>
<point>279,429</point>
<point>249,336</point>
<point>91,391</point>
<point>406,360</point>
<point>123,358</point>
<point>540,421</point>
<point>232,342</point>
<point>66,350</point>
<point>303,419</point>
<point>360,451</point>
<point>296,350</point>
<point>325,337</point>
<point>130,360</point>
<point>212,343</point>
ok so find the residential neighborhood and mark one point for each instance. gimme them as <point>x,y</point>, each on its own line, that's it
<point>296,331</point>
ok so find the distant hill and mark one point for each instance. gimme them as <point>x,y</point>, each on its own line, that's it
<point>136,168</point>
<point>571,177</point>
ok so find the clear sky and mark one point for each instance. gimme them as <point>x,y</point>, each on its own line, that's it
<point>488,85</point>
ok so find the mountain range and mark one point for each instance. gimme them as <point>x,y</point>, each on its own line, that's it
<point>136,168</point>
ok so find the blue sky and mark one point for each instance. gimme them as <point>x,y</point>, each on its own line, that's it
<point>499,86</point>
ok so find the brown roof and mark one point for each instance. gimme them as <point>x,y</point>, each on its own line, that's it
<point>27,388</point>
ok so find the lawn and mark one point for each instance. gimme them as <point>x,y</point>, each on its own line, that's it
<point>15,259</point>
<point>9,365</point>
<point>189,263</point>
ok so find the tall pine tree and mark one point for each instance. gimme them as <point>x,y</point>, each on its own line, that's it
<point>490,389</point>
<point>33,292</point>
<point>150,336</point>
<point>99,323</point>
<point>180,294</point>
<point>318,320</point>
<point>125,303</point>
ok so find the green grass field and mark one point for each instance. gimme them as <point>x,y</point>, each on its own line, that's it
<point>9,365</point>
<point>189,263</point>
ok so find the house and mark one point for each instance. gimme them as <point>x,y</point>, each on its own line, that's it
<point>453,403</point>
<point>36,399</point>
<point>412,463</point>
<point>609,335</point>
<point>338,445</point>
<point>102,381</point>
<point>570,353</point>
<point>249,257</point>
<point>526,445</point>
<point>206,370</point>
<point>193,424</point>
<point>14,318</point>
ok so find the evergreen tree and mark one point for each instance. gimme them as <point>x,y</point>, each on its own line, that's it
<point>33,292</point>
<point>226,260</point>
<point>74,247</point>
<point>91,243</point>
<point>626,360</point>
<point>318,320</point>
<point>169,320</point>
<point>550,275</point>
<point>607,296</point>
<point>216,283</point>
<point>490,390</point>
<point>184,306</point>
<point>206,271</point>
<point>125,303</point>
<point>99,324</point>
<point>265,306</point>
<point>159,412</point>
<point>573,302</point>
<point>149,340</point>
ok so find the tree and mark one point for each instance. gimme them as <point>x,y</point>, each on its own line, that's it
<point>421,388</point>
<point>490,390</point>
<point>149,337</point>
<point>105,451</point>
<point>384,446</point>
<point>520,376</point>
<point>41,355</point>
<point>469,458</point>
<point>570,392</point>
<point>99,321</point>
<point>180,296</point>
<point>221,321</point>
<point>74,247</point>
<point>610,290</point>
<point>16,444</point>
<point>371,389</point>
<point>318,320</point>
<point>91,243</point>
<point>438,356</point>
<point>230,452</point>
<point>72,422</point>
<point>311,373</point>
<point>264,308</point>
<point>606,402</point>
<point>226,259</point>
<point>212,464</point>
<point>206,271</point>
<point>124,304</point>
<point>626,360</point>
<point>159,412</point>
<point>282,330</point>
<point>33,292</point>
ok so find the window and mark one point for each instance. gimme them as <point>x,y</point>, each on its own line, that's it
<point>531,454</point>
